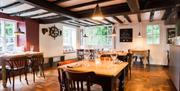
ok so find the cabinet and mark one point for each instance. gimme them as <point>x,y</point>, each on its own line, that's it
<point>174,65</point>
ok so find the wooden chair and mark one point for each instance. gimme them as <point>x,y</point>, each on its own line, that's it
<point>75,80</point>
<point>37,62</point>
<point>18,65</point>
<point>106,58</point>
<point>61,73</point>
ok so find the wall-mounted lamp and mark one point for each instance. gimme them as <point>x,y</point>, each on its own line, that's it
<point>19,32</point>
<point>139,34</point>
<point>85,35</point>
<point>114,31</point>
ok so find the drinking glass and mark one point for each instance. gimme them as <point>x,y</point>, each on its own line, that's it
<point>86,54</point>
<point>86,57</point>
<point>114,56</point>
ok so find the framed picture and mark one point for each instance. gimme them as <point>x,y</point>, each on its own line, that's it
<point>170,34</point>
<point>126,35</point>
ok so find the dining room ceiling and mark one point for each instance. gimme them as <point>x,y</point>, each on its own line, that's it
<point>79,12</point>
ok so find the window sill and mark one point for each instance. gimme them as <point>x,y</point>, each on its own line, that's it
<point>68,52</point>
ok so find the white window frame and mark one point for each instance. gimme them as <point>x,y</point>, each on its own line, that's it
<point>153,35</point>
<point>72,40</point>
<point>4,44</point>
<point>84,40</point>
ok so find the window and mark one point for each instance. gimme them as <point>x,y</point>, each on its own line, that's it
<point>69,39</point>
<point>7,36</point>
<point>153,34</point>
<point>98,36</point>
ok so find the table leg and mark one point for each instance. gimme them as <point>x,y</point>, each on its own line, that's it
<point>109,86</point>
<point>144,62</point>
<point>107,83</point>
<point>4,74</point>
<point>122,81</point>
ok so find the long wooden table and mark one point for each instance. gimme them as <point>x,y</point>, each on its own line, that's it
<point>5,57</point>
<point>106,72</point>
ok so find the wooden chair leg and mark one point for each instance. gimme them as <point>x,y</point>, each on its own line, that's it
<point>8,76</point>
<point>42,68</point>
<point>20,76</point>
<point>130,71</point>
<point>13,80</point>
<point>34,75</point>
<point>26,77</point>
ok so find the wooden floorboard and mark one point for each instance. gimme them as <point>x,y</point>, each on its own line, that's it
<point>155,79</point>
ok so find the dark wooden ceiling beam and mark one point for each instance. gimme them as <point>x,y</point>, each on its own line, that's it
<point>51,17</point>
<point>77,23</point>
<point>25,11</point>
<point>70,24</point>
<point>15,4</point>
<point>90,22</point>
<point>133,5</point>
<point>46,5</point>
<point>151,16</point>
<point>38,14</point>
<point>111,10</point>
<point>60,1</point>
<point>109,21</point>
<point>139,17</point>
<point>87,22</point>
<point>155,5</point>
<point>88,3</point>
<point>123,9</point>
<point>117,19</point>
<point>166,14</point>
<point>55,20</point>
<point>98,25</point>
<point>127,18</point>
<point>99,21</point>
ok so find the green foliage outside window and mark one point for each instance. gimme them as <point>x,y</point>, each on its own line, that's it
<point>153,34</point>
<point>9,29</point>
<point>98,36</point>
<point>7,37</point>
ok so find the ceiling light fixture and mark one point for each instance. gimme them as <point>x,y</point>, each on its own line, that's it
<point>114,31</point>
<point>97,15</point>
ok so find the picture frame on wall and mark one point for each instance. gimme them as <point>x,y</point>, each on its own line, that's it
<point>171,33</point>
<point>126,35</point>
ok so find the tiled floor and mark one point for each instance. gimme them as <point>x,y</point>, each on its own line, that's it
<point>142,80</point>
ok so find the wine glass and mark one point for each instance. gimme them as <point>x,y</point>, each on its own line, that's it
<point>114,56</point>
<point>86,54</point>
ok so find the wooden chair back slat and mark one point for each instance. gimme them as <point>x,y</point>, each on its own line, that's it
<point>76,80</point>
<point>17,62</point>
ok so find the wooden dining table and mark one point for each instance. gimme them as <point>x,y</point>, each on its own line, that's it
<point>142,52</point>
<point>119,53</point>
<point>106,72</point>
<point>6,57</point>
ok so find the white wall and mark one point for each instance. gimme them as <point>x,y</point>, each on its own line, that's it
<point>157,52</point>
<point>53,47</point>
